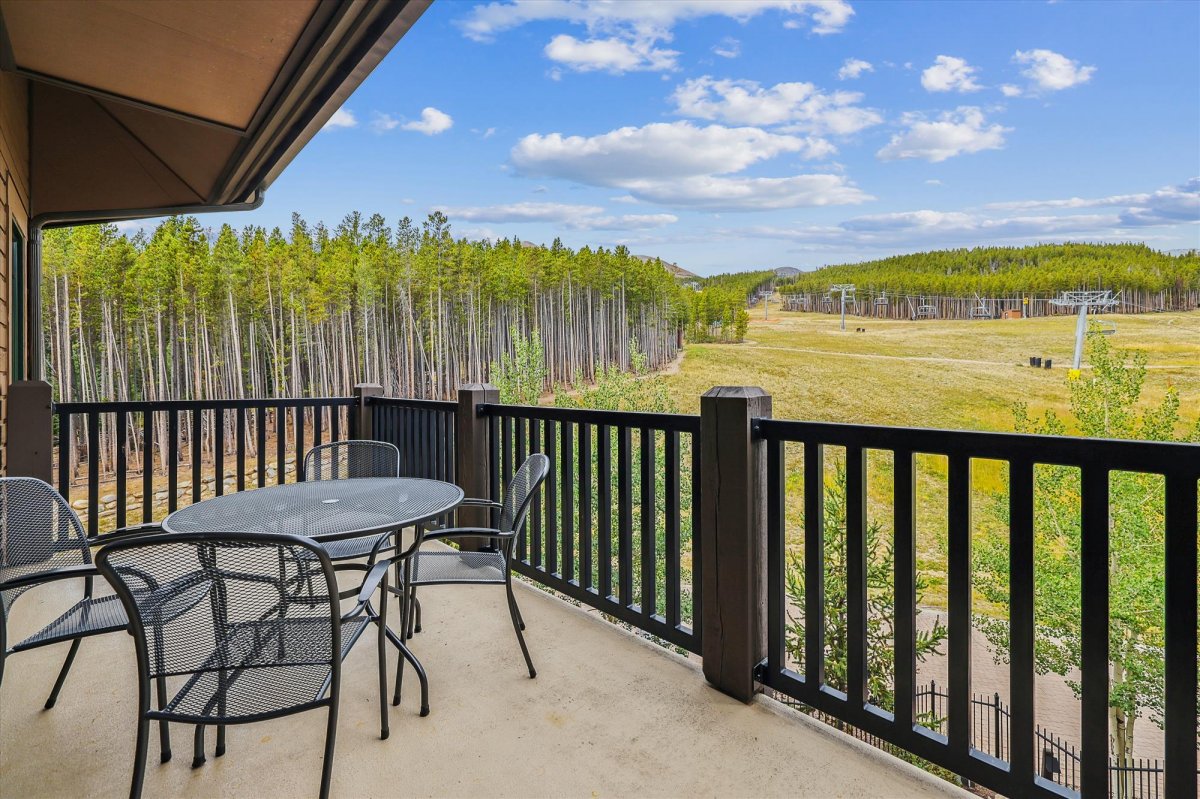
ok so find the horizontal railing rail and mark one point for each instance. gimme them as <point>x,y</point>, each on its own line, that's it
<point>423,431</point>
<point>804,678</point>
<point>211,440</point>
<point>616,525</point>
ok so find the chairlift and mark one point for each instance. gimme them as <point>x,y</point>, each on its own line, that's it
<point>926,311</point>
<point>881,301</point>
<point>1105,327</point>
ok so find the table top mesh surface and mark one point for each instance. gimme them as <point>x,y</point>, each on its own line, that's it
<point>321,509</point>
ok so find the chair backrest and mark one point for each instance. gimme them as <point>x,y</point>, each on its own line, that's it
<point>38,532</point>
<point>521,490</point>
<point>219,606</point>
<point>344,459</point>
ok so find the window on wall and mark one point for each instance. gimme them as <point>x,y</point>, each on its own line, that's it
<point>16,296</point>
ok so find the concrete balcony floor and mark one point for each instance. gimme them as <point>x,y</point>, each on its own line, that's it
<point>608,715</point>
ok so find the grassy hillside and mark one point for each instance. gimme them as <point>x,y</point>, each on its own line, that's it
<point>956,374</point>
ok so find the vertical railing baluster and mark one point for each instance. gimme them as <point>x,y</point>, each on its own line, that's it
<point>649,576</point>
<point>241,448</point>
<point>280,445</point>
<point>92,425</point>
<point>147,466</point>
<point>585,506</point>
<point>335,423</point>
<point>856,577</point>
<point>1180,755</point>
<point>535,524</point>
<point>776,535</point>
<point>694,542</point>
<point>958,566</point>
<point>604,498</point>
<point>260,444</point>
<point>566,462</point>
<point>550,497</point>
<point>299,443</point>
<point>219,451</point>
<point>494,455</point>
<point>1022,750</point>
<point>318,424</point>
<point>64,455</point>
<point>671,542</point>
<point>122,468</point>
<point>814,566</point>
<point>510,467</point>
<point>904,578</point>
<point>1094,596</point>
<point>172,460</point>
<point>624,516</point>
<point>194,452</point>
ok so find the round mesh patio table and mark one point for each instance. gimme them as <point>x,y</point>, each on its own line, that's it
<point>324,510</point>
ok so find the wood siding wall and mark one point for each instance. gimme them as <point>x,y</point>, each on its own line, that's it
<point>14,209</point>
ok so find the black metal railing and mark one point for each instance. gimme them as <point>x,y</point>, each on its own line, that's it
<point>219,445</point>
<point>804,678</point>
<point>615,526</point>
<point>423,431</point>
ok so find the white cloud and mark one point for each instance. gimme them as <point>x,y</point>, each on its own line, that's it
<point>950,74</point>
<point>933,182</point>
<point>728,47</point>
<point>1050,71</point>
<point>802,106</point>
<point>679,164</point>
<point>575,217</point>
<point>658,150</point>
<point>1009,90</point>
<point>716,193</point>
<point>853,68</point>
<point>487,20</point>
<point>381,123</point>
<point>924,228</point>
<point>625,36</point>
<point>431,123</point>
<point>612,55</point>
<point>957,132</point>
<point>342,118</point>
<point>1167,205</point>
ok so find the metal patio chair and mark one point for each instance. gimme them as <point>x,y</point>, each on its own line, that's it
<point>341,460</point>
<point>42,541</point>
<point>492,566</point>
<point>248,625</point>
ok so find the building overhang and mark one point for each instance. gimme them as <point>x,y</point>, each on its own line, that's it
<point>143,108</point>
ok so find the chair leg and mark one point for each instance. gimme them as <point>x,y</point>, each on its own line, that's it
<point>518,625</point>
<point>198,747</point>
<point>164,733</point>
<point>381,644</point>
<point>62,674</point>
<point>139,757</point>
<point>330,736</point>
<point>412,613</point>
<point>220,740</point>
<point>417,603</point>
<point>404,597</point>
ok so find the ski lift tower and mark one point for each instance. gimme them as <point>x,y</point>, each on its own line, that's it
<point>1083,300</point>
<point>843,289</point>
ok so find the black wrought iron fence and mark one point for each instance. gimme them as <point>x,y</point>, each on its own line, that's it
<point>615,524</point>
<point>423,431</point>
<point>184,450</point>
<point>954,745</point>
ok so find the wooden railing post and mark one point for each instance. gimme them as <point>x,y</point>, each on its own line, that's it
<point>472,454</point>
<point>30,430</point>
<point>363,428</point>
<point>733,537</point>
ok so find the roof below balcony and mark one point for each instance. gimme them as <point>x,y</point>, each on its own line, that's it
<point>608,715</point>
<point>138,107</point>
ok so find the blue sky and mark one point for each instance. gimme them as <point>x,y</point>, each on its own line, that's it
<point>732,134</point>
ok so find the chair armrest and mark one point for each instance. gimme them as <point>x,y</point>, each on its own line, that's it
<point>466,532</point>
<point>369,585</point>
<point>474,502</point>
<point>64,573</point>
<point>148,528</point>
